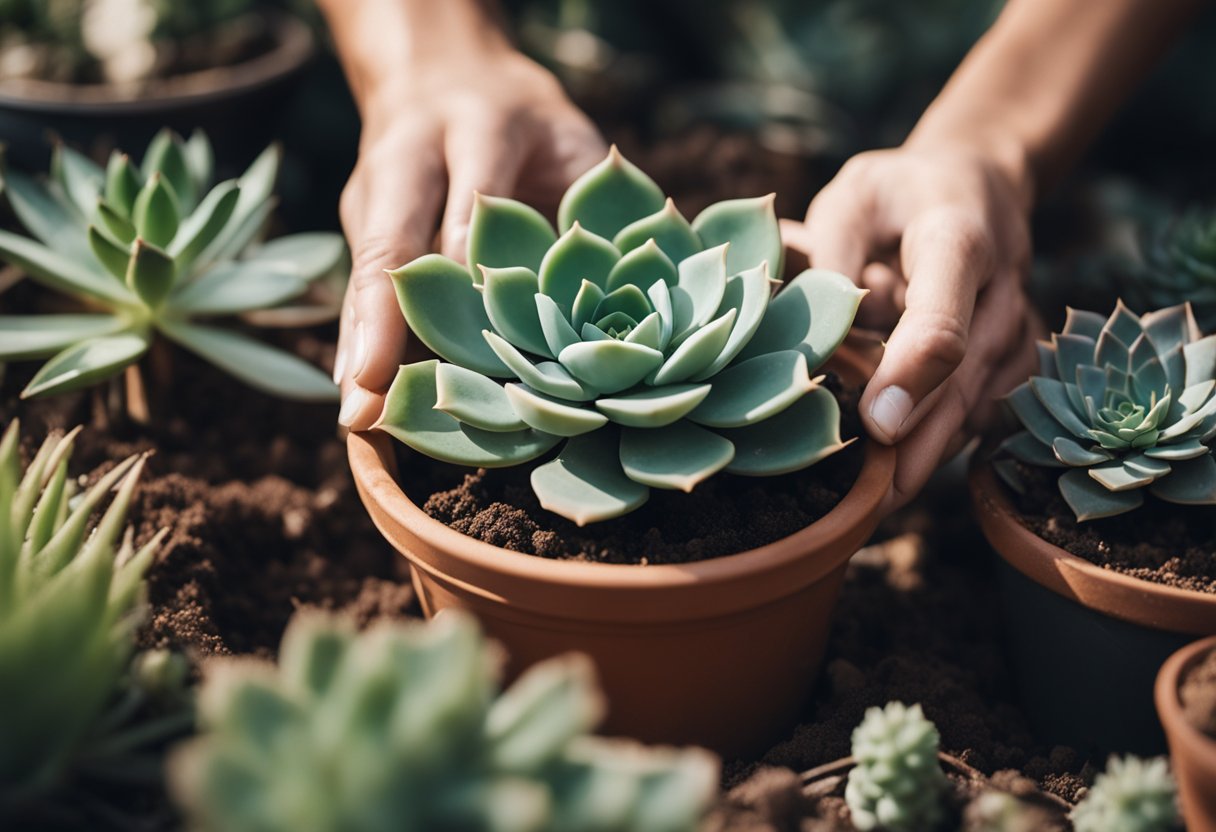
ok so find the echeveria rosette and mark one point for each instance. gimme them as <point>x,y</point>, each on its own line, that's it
<point>160,250</point>
<point>653,347</point>
<point>1180,264</point>
<point>1124,404</point>
<point>403,727</point>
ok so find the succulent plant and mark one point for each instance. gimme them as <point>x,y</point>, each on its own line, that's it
<point>651,346</point>
<point>897,784</point>
<point>402,728</point>
<point>1132,795</point>
<point>1179,264</point>
<point>70,599</point>
<point>157,250</point>
<point>1124,404</point>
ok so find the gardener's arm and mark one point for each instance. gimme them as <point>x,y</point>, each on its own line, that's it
<point>938,230</point>
<point>448,107</point>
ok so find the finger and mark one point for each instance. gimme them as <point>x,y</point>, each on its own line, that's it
<point>938,437</point>
<point>840,232</point>
<point>797,247</point>
<point>484,160</point>
<point>947,258</point>
<point>880,310</point>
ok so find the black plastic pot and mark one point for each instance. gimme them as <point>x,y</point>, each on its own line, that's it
<point>239,106</point>
<point>1086,642</point>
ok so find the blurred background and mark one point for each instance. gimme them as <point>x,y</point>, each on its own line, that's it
<point>714,97</point>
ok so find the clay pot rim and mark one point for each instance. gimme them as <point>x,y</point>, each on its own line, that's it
<point>1183,737</point>
<point>293,48</point>
<point>1112,593</point>
<point>372,461</point>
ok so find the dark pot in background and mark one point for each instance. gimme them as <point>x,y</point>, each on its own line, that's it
<point>239,106</point>
<point>1086,642</point>
<point>1192,753</point>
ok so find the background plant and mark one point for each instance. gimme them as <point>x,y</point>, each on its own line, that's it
<point>1132,795</point>
<point>402,728</point>
<point>158,248</point>
<point>652,346</point>
<point>1123,405</point>
<point>897,784</point>
<point>71,596</point>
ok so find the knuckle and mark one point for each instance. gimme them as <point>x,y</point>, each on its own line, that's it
<point>942,339</point>
<point>372,256</point>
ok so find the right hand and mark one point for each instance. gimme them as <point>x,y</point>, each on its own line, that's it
<point>498,124</point>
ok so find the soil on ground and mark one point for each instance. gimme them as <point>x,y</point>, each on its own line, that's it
<point>1198,695</point>
<point>1159,542</point>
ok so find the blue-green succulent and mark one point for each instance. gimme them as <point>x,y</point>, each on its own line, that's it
<point>402,729</point>
<point>1123,405</point>
<point>650,348</point>
<point>155,250</point>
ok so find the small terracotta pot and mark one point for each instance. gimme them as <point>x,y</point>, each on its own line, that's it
<point>720,653</point>
<point>1192,752</point>
<point>1086,642</point>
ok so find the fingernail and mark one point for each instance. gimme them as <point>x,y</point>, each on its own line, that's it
<point>890,410</point>
<point>360,356</point>
<point>350,407</point>
<point>340,365</point>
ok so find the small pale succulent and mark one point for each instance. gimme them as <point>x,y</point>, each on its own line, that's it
<point>651,346</point>
<point>158,251</point>
<point>1132,795</point>
<point>402,728</point>
<point>71,597</point>
<point>1124,404</point>
<point>897,784</point>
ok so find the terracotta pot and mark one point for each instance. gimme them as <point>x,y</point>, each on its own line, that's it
<point>1086,642</point>
<point>238,105</point>
<point>1192,752</point>
<point>720,653</point>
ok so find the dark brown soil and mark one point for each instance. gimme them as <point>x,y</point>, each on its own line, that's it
<point>724,515</point>
<point>1198,695</point>
<point>777,800</point>
<point>1159,542</point>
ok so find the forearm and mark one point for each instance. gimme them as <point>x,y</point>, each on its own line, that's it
<point>386,43</point>
<point>1045,79</point>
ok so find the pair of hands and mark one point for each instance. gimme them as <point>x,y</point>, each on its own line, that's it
<point>937,232</point>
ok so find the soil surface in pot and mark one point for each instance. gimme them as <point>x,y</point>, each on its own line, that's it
<point>776,800</point>
<point>1198,694</point>
<point>1159,542</point>
<point>724,515</point>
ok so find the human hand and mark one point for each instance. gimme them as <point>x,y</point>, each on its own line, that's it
<point>939,235</point>
<point>498,124</point>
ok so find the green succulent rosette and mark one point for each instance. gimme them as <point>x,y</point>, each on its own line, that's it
<point>1124,405</point>
<point>1132,795</point>
<point>897,784</point>
<point>651,348</point>
<point>1180,265</point>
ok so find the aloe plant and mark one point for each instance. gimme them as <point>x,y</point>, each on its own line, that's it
<point>1124,404</point>
<point>402,728</point>
<point>897,784</point>
<point>650,346</point>
<point>161,252</point>
<point>1132,795</point>
<point>71,597</point>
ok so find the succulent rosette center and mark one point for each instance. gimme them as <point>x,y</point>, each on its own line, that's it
<point>653,347</point>
<point>1126,404</point>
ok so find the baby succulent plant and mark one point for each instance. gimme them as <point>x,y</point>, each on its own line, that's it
<point>897,784</point>
<point>650,348</point>
<point>1122,405</point>
<point>158,250</point>
<point>1132,795</point>
<point>402,727</point>
<point>71,596</point>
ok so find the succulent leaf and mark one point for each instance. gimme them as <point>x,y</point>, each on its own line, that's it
<point>166,159</point>
<point>425,738</point>
<point>150,273</point>
<point>750,226</point>
<point>114,257</point>
<point>411,416</point>
<point>897,784</point>
<point>45,214</point>
<point>123,184</point>
<point>651,332</point>
<point>609,197</point>
<point>1122,419</point>
<point>233,287</point>
<point>86,362</point>
<point>37,336</point>
<point>475,400</point>
<point>504,233</point>
<point>156,214</point>
<point>81,179</point>
<point>58,272</point>
<point>202,226</point>
<point>119,227</point>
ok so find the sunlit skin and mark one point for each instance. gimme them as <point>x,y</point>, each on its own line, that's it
<point>936,228</point>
